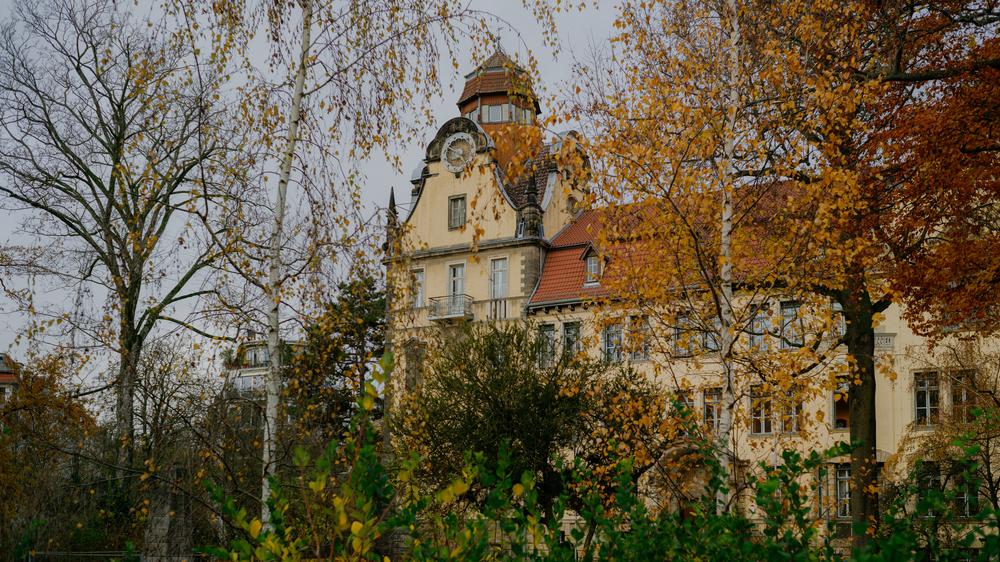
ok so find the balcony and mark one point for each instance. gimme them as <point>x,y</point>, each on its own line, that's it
<point>451,307</point>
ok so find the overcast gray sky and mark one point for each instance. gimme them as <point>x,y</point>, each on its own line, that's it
<point>578,31</point>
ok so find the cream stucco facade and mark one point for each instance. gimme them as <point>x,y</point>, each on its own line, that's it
<point>484,263</point>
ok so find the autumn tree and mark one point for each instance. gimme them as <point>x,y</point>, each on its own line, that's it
<point>114,145</point>
<point>502,391</point>
<point>828,165</point>
<point>673,116</point>
<point>348,79</point>
<point>41,425</point>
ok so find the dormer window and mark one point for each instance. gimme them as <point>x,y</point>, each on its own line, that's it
<point>593,275</point>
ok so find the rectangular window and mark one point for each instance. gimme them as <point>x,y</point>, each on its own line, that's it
<point>683,336</point>
<point>713,408</point>
<point>612,343</point>
<point>456,279</point>
<point>593,269</point>
<point>496,113</point>
<point>791,413</point>
<point>571,338</point>
<point>456,211</point>
<point>841,406</point>
<point>966,493</point>
<point>843,490</point>
<point>418,288</point>
<point>963,396</point>
<point>498,278</point>
<point>640,336</point>
<point>928,483</point>
<point>710,339</point>
<point>547,333</point>
<point>759,327</point>
<point>839,324</point>
<point>927,397</point>
<point>791,325</point>
<point>760,411</point>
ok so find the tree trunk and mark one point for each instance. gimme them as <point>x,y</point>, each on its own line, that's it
<point>725,305</point>
<point>860,336</point>
<point>273,386</point>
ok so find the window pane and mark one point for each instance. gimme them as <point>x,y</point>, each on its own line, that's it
<point>791,325</point>
<point>571,337</point>
<point>843,490</point>
<point>418,288</point>
<point>612,340</point>
<point>547,332</point>
<point>760,411</point>
<point>758,329</point>
<point>498,278</point>
<point>496,113</point>
<point>713,408</point>
<point>926,398</point>
<point>456,212</point>
<point>593,269</point>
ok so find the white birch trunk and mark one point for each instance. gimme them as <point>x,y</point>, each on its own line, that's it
<point>727,336</point>
<point>273,385</point>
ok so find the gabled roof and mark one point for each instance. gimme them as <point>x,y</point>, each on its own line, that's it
<point>564,270</point>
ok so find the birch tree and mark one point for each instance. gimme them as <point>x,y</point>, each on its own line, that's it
<point>347,80</point>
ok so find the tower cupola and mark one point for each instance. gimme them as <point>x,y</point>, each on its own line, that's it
<point>498,92</point>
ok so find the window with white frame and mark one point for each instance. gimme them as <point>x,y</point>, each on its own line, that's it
<point>418,288</point>
<point>547,351</point>
<point>456,211</point>
<point>611,342</point>
<point>711,338</point>
<point>963,396</point>
<point>498,278</point>
<point>683,336</point>
<point>640,336</point>
<point>712,406</point>
<point>572,343</point>
<point>928,483</point>
<point>966,491</point>
<point>496,113</point>
<point>760,411</point>
<point>927,395</point>
<point>456,279</point>
<point>839,323</point>
<point>593,272</point>
<point>791,413</point>
<point>791,325</point>
<point>759,327</point>
<point>843,490</point>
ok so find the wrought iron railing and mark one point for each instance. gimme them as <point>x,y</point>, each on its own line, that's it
<point>451,306</point>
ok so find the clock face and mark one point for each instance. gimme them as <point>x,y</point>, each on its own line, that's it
<point>457,151</point>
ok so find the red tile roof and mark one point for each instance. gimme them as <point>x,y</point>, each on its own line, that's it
<point>564,270</point>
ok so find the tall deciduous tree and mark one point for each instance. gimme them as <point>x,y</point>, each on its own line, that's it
<point>864,150</point>
<point>350,77</point>
<point>112,141</point>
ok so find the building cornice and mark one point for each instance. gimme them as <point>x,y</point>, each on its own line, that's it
<point>510,242</point>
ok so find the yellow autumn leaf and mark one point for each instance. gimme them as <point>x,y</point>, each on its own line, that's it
<point>255,527</point>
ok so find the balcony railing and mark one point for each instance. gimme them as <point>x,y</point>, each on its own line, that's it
<point>497,309</point>
<point>450,307</point>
